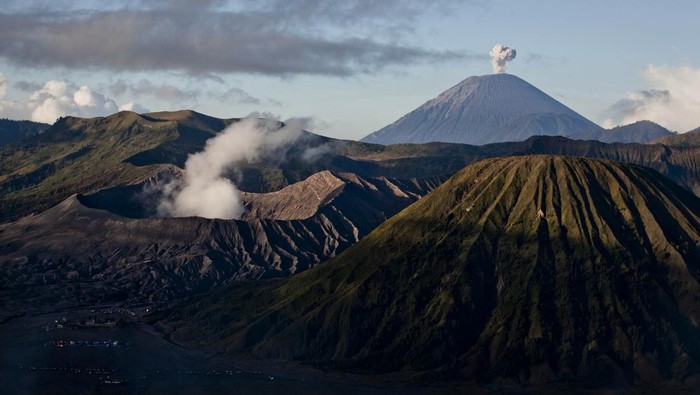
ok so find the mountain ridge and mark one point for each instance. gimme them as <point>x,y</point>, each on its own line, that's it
<point>682,140</point>
<point>83,155</point>
<point>637,132</point>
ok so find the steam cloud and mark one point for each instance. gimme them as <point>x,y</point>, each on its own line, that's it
<point>204,190</point>
<point>501,55</point>
<point>672,100</point>
<point>135,107</point>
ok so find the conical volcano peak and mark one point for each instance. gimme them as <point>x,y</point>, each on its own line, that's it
<point>485,109</point>
<point>507,92</point>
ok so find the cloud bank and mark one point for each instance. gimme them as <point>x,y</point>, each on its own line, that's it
<point>270,37</point>
<point>183,97</point>
<point>672,100</point>
<point>57,98</point>
<point>205,191</point>
<point>165,92</point>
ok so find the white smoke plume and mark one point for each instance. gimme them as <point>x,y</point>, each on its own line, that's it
<point>135,107</point>
<point>672,100</point>
<point>501,55</point>
<point>204,191</point>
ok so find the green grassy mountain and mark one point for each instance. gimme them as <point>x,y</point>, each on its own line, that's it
<point>532,269</point>
<point>76,155</point>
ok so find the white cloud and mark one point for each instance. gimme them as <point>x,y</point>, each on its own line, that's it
<point>672,100</point>
<point>59,98</point>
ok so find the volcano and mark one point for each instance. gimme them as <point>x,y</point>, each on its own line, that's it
<point>485,109</point>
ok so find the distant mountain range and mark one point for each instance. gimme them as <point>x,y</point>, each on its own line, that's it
<point>78,156</point>
<point>501,108</point>
<point>638,132</point>
<point>689,139</point>
<point>521,271</point>
<point>11,131</point>
<point>93,171</point>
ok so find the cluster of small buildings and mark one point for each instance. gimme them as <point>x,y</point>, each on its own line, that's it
<point>87,343</point>
<point>89,322</point>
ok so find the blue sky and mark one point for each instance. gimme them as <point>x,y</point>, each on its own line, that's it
<point>353,66</point>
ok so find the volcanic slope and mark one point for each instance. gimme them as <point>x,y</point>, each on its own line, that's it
<point>81,252</point>
<point>534,269</point>
<point>485,109</point>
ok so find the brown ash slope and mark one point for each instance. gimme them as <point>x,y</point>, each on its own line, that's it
<point>98,255</point>
<point>533,269</point>
<point>302,200</point>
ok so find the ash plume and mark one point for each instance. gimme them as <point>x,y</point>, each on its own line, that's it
<point>500,55</point>
<point>204,190</point>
